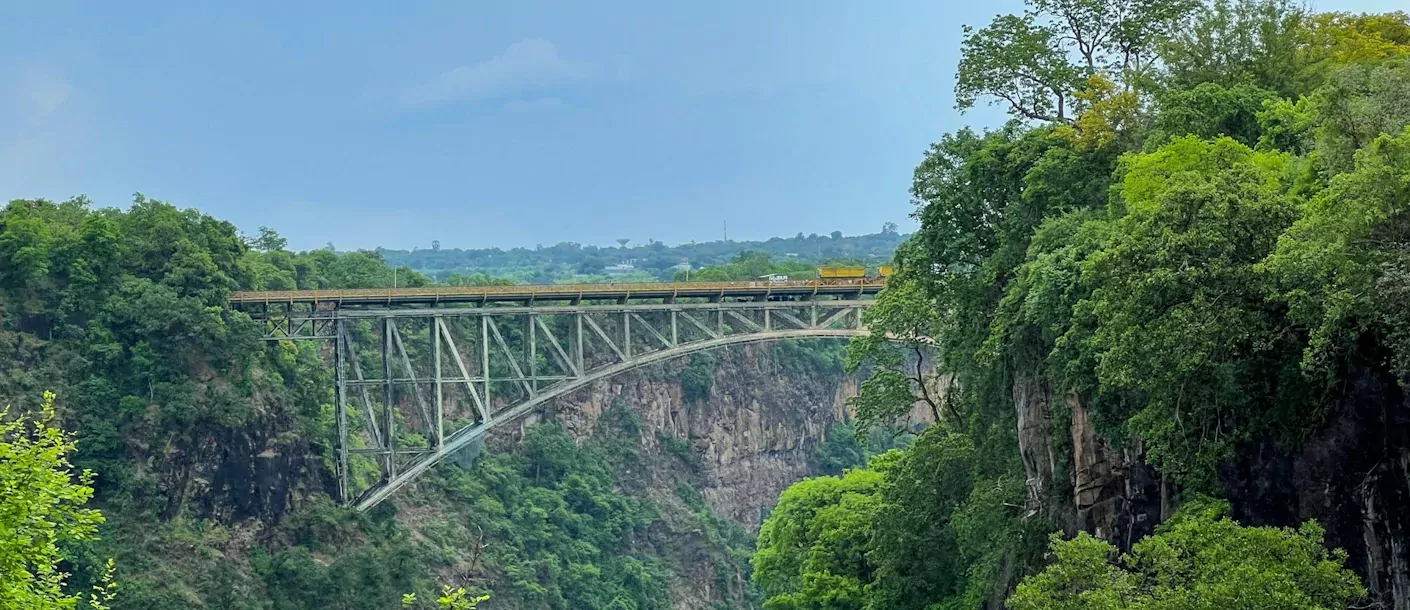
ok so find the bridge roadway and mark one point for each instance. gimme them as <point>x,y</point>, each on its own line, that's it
<point>539,293</point>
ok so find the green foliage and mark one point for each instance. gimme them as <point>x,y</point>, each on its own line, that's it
<point>812,550</point>
<point>1037,62</point>
<point>751,265</point>
<point>1020,62</point>
<point>929,524</point>
<point>682,449</point>
<point>903,325</point>
<point>1332,40</point>
<point>698,378</point>
<point>41,511</point>
<point>812,358</point>
<point>1179,315</point>
<point>1358,104</point>
<point>1210,110</point>
<point>564,534</point>
<point>456,598</point>
<point>1196,253</point>
<point>125,310</point>
<point>1202,241</point>
<point>1233,43</point>
<point>1331,266</point>
<point>1201,559</point>
<point>839,452</point>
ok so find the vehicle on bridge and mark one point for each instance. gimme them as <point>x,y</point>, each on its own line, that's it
<point>843,275</point>
<point>839,273</point>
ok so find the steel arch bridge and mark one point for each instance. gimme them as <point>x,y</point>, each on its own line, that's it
<point>422,373</point>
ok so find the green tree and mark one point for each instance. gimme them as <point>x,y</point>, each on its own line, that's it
<point>1338,267</point>
<point>1199,560</point>
<point>41,510</point>
<point>269,240</point>
<point>899,352</point>
<point>1210,110</point>
<point>813,549</point>
<point>1332,40</point>
<point>1036,63</point>
<point>452,598</point>
<point>1358,104</point>
<point>1179,313</point>
<point>1021,63</point>
<point>1235,42</point>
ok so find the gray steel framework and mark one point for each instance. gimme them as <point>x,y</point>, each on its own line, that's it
<point>415,385</point>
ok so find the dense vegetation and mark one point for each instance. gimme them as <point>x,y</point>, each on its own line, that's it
<point>211,450</point>
<point>1187,253</point>
<point>1199,559</point>
<point>40,511</point>
<point>1190,243</point>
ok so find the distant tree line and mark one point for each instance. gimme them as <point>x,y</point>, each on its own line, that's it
<point>654,260</point>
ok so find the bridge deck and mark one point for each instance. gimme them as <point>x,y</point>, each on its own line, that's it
<point>530,293</point>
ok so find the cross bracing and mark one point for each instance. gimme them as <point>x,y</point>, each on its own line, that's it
<point>417,382</point>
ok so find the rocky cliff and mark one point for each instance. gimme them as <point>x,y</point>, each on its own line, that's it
<point>1352,476</point>
<point>711,455</point>
<point>751,433</point>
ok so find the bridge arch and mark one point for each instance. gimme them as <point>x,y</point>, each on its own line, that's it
<point>509,346</point>
<point>470,434</point>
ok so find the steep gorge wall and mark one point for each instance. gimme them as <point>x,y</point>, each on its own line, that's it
<point>739,445</point>
<point>1352,476</point>
<point>752,433</point>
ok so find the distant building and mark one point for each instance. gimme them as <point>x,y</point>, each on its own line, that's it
<point>791,255</point>
<point>621,269</point>
<point>681,267</point>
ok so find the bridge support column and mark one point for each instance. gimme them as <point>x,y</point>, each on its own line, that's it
<point>485,360</point>
<point>627,334</point>
<point>340,409</point>
<point>578,341</point>
<point>436,379</point>
<point>533,355</point>
<point>389,398</point>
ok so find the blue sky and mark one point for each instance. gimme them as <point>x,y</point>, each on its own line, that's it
<point>489,124</point>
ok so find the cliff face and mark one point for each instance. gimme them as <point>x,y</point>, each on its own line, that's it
<point>1352,476</point>
<point>734,447</point>
<point>751,434</point>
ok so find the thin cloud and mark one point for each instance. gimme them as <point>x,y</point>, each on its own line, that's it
<point>45,93</point>
<point>530,105</point>
<point>41,128</point>
<point>529,64</point>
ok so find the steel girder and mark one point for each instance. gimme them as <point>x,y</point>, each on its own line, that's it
<point>442,378</point>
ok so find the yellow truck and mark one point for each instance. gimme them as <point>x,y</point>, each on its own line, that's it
<point>841,273</point>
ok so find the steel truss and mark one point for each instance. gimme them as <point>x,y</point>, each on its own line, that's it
<point>415,385</point>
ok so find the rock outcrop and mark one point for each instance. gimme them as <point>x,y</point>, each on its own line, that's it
<point>1352,476</point>
<point>751,434</point>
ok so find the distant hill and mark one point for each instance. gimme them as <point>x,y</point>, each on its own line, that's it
<point>655,260</point>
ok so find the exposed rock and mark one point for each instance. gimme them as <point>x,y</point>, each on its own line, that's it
<point>1352,476</point>
<point>752,434</point>
<point>1033,401</point>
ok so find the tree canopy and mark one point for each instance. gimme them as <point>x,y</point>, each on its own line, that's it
<point>1186,244</point>
<point>41,510</point>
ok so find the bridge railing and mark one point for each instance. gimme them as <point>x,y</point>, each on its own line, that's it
<point>536,292</point>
